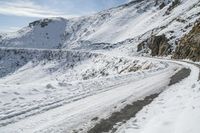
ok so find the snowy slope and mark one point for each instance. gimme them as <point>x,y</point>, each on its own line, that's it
<point>129,21</point>
<point>36,36</point>
<point>62,73</point>
<point>59,107</point>
<point>35,81</point>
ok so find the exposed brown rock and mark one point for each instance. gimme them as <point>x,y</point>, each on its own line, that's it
<point>158,45</point>
<point>189,45</point>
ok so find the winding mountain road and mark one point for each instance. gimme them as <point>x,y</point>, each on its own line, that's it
<point>83,114</point>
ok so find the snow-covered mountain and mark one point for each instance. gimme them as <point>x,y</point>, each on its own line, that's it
<point>138,19</point>
<point>67,75</point>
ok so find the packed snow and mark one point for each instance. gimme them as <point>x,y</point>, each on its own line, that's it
<point>35,81</point>
<point>175,110</point>
<point>59,106</point>
<point>57,75</point>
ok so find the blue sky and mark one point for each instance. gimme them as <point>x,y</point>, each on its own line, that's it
<point>18,13</point>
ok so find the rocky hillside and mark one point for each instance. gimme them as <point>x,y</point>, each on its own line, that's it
<point>158,45</point>
<point>189,45</point>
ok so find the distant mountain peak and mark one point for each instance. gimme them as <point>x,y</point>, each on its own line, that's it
<point>136,20</point>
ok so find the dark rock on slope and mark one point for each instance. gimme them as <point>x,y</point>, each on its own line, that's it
<point>174,4</point>
<point>158,45</point>
<point>189,45</point>
<point>42,23</point>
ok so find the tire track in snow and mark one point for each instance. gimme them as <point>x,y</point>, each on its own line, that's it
<point>77,114</point>
<point>38,109</point>
<point>130,110</point>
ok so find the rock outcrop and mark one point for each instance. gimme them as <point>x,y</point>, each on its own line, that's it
<point>42,23</point>
<point>158,45</point>
<point>174,4</point>
<point>189,45</point>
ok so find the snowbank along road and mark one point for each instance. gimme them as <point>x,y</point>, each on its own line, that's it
<point>62,104</point>
<point>94,73</point>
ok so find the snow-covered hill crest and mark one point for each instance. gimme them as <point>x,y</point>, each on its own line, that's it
<point>129,21</point>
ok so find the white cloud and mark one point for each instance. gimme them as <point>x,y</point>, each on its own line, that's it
<point>29,9</point>
<point>9,29</point>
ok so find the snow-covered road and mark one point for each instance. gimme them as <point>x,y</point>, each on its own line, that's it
<point>78,114</point>
<point>66,75</point>
<point>174,110</point>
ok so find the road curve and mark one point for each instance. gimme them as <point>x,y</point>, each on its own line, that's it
<point>81,112</point>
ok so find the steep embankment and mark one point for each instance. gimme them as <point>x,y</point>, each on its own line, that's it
<point>189,46</point>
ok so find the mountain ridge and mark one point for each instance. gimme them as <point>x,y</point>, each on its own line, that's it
<point>136,20</point>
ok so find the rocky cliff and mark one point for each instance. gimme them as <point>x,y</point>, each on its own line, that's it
<point>189,45</point>
<point>158,45</point>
